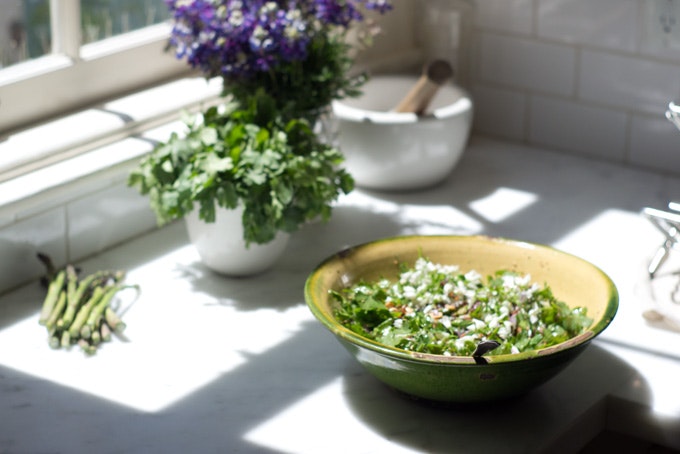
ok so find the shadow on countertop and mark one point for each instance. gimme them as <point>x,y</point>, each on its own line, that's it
<point>527,423</point>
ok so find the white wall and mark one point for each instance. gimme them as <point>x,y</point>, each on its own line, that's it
<point>581,76</point>
<point>587,77</point>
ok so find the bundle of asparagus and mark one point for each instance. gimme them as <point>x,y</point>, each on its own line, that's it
<point>78,310</point>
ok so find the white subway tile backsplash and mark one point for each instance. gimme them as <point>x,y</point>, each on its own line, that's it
<point>567,125</point>
<point>7,219</point>
<point>71,231</point>
<point>627,82</point>
<point>655,144</point>
<point>655,41</point>
<point>514,16</point>
<point>610,24</point>
<point>106,218</point>
<point>526,64</point>
<point>499,112</point>
<point>21,241</point>
<point>658,50</point>
<point>596,66</point>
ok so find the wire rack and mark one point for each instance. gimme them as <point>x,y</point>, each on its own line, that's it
<point>668,223</point>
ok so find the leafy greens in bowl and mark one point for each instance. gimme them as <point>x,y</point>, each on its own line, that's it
<point>483,369</point>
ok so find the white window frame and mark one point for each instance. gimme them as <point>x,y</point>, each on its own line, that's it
<point>51,108</point>
<point>74,76</point>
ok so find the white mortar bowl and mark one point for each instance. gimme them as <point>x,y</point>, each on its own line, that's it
<point>401,151</point>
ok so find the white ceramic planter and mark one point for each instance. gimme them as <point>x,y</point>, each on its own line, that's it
<point>222,248</point>
<point>401,151</point>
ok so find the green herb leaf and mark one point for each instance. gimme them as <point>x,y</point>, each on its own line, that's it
<point>214,164</point>
<point>209,136</point>
<point>249,154</point>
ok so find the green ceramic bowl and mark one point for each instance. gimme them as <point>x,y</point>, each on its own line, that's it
<point>460,379</point>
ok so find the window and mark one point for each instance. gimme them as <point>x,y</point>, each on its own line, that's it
<point>24,31</point>
<point>61,55</point>
<point>101,19</point>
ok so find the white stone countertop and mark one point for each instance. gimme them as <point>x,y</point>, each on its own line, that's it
<point>218,365</point>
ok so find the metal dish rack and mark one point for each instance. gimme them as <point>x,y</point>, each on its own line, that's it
<point>667,222</point>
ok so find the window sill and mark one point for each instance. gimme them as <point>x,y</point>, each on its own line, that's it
<point>75,202</point>
<point>92,144</point>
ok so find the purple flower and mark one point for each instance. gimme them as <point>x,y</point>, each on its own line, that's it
<point>238,38</point>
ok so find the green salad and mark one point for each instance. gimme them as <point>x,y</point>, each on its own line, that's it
<point>436,309</point>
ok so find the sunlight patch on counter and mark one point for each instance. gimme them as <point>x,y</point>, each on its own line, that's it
<point>158,373</point>
<point>322,412</point>
<point>621,243</point>
<point>418,219</point>
<point>503,203</point>
<point>604,238</point>
<point>437,220</point>
<point>159,362</point>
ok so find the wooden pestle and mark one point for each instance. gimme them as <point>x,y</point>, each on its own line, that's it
<point>419,97</point>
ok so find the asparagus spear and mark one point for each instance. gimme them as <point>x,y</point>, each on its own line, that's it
<point>76,299</point>
<point>96,338</point>
<point>71,281</point>
<point>52,297</point>
<point>87,347</point>
<point>54,342</point>
<point>65,339</point>
<point>114,321</point>
<point>95,315</point>
<point>56,311</point>
<point>84,312</point>
<point>105,331</point>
